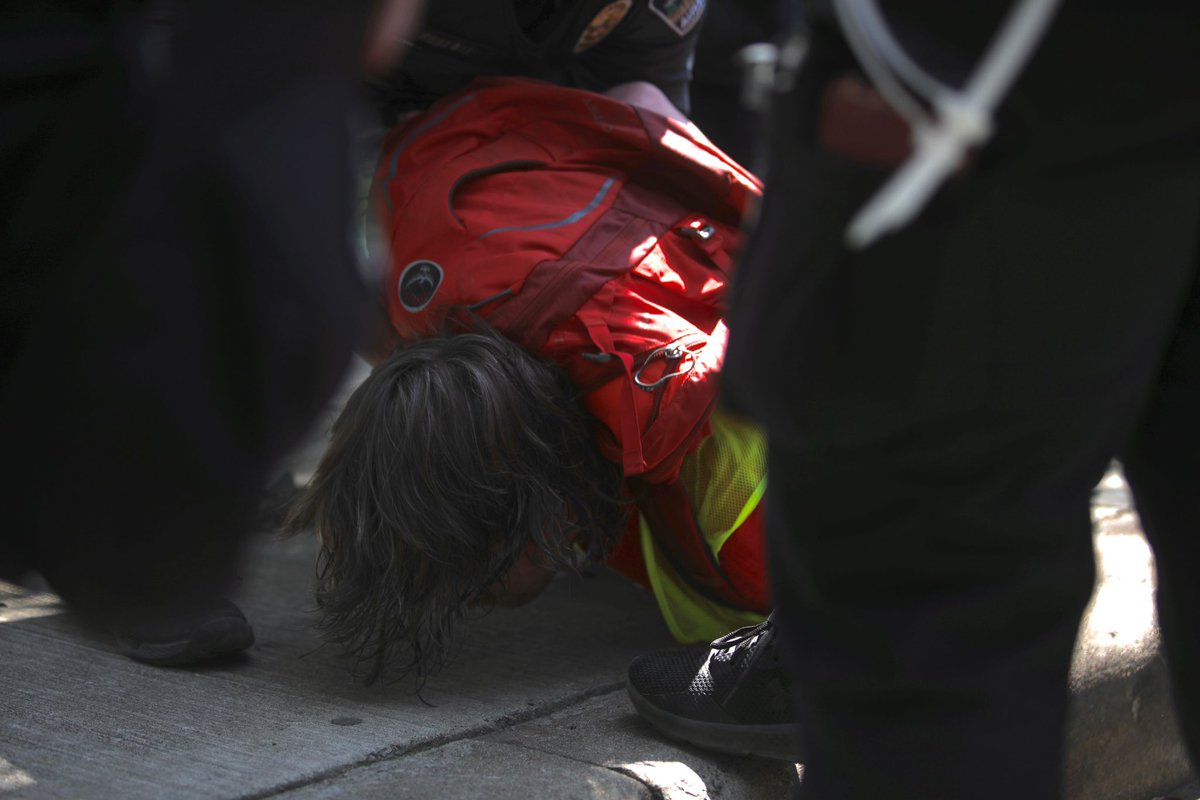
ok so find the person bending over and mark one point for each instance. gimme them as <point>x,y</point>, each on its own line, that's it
<point>546,397</point>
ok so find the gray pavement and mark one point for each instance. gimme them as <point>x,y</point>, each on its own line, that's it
<point>531,707</point>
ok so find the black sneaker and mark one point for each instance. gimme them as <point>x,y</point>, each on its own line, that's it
<point>731,696</point>
<point>187,639</point>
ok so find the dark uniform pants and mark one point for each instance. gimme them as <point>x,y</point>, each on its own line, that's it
<point>941,404</point>
<point>179,293</point>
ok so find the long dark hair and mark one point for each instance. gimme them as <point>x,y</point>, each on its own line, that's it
<point>452,457</point>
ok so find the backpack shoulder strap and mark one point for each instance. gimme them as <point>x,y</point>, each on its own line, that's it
<point>557,289</point>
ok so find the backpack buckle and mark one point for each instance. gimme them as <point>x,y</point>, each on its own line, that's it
<point>698,230</point>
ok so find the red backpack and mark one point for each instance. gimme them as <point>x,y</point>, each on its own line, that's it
<point>596,234</point>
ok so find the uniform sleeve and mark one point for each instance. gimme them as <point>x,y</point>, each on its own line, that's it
<point>655,42</point>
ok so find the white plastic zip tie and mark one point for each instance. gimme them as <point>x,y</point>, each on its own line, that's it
<point>872,59</point>
<point>963,118</point>
<point>938,149</point>
<point>874,27</point>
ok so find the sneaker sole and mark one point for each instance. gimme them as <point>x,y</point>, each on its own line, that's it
<point>778,742</point>
<point>211,640</point>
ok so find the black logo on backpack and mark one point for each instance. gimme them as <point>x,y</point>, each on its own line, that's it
<point>418,284</point>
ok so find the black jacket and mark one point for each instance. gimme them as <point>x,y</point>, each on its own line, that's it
<point>588,44</point>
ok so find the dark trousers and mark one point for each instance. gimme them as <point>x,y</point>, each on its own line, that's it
<point>180,294</point>
<point>941,405</point>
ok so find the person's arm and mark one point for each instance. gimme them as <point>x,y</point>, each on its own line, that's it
<point>388,34</point>
<point>648,96</point>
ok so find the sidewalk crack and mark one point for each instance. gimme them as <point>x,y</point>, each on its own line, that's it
<point>393,752</point>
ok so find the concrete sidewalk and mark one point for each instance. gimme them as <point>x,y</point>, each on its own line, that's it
<point>532,707</point>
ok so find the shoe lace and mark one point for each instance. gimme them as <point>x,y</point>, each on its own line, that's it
<point>743,637</point>
<point>727,654</point>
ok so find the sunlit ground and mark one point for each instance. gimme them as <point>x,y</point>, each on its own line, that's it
<point>672,780</point>
<point>1122,612</point>
<point>17,603</point>
<point>12,778</point>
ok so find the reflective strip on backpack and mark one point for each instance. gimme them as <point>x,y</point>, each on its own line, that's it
<point>570,219</point>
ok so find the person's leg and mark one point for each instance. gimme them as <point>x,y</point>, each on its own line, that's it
<point>1162,465</point>
<point>935,568</point>
<point>940,407</point>
<point>195,318</point>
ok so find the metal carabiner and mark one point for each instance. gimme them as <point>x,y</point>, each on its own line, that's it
<point>670,352</point>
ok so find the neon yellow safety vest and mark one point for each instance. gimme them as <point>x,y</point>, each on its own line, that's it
<point>725,478</point>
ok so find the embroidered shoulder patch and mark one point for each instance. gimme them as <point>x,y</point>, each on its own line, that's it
<point>680,15</point>
<point>418,284</point>
<point>602,24</point>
